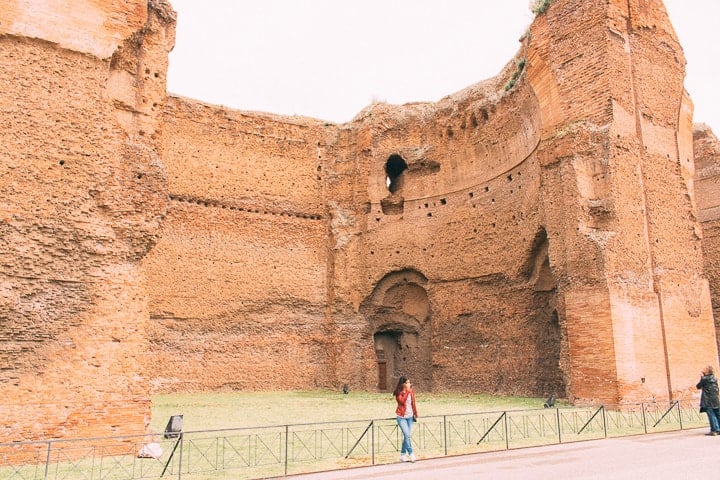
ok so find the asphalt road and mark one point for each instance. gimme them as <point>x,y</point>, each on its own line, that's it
<point>687,454</point>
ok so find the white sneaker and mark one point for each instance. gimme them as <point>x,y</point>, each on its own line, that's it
<point>404,458</point>
<point>412,457</point>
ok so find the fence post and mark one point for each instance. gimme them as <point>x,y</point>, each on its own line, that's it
<point>372,439</point>
<point>642,405</point>
<point>557,415</point>
<point>679,414</point>
<point>604,420</point>
<point>445,434</point>
<point>47,461</point>
<point>507,432</point>
<point>287,434</point>
<point>182,446</point>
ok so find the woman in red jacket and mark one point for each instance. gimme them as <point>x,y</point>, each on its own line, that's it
<point>406,414</point>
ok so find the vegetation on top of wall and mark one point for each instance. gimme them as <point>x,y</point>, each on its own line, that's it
<point>516,74</point>
<point>539,7</point>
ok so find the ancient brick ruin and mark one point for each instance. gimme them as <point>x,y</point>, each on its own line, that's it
<point>555,229</point>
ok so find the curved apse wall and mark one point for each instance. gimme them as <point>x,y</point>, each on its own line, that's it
<point>465,213</point>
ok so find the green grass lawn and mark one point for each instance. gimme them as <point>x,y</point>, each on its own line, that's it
<point>207,411</point>
<point>449,424</point>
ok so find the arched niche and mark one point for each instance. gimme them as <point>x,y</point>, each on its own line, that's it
<point>546,320</point>
<point>536,268</point>
<point>398,313</point>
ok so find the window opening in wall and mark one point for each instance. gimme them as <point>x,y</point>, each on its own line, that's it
<point>394,167</point>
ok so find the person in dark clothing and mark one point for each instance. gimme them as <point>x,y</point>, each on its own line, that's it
<point>709,399</point>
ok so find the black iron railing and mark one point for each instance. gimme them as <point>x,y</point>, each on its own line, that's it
<point>290,449</point>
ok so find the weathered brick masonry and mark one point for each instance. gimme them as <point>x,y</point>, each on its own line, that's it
<point>707,188</point>
<point>540,232</point>
<point>83,191</point>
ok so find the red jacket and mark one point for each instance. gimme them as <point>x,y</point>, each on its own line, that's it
<point>400,398</point>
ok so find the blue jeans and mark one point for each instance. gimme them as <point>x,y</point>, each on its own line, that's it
<point>405,425</point>
<point>714,417</point>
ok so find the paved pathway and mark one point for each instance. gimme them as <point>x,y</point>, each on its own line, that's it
<point>687,454</point>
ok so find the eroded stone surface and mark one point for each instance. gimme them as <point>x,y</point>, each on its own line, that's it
<point>547,231</point>
<point>84,191</point>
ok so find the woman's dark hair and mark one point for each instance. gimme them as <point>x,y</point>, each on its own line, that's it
<point>400,384</point>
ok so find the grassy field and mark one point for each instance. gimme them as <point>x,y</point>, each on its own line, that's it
<point>449,424</point>
<point>206,411</point>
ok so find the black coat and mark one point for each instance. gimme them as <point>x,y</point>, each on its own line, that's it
<point>709,397</point>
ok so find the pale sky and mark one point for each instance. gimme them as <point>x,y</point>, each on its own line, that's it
<point>328,59</point>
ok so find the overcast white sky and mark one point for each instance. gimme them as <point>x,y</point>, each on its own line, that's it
<point>328,59</point>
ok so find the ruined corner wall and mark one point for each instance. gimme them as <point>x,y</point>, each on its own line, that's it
<point>617,150</point>
<point>238,280</point>
<point>82,193</point>
<point>707,194</point>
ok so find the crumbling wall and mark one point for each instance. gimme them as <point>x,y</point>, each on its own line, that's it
<point>530,213</point>
<point>237,282</point>
<point>466,217</point>
<point>707,193</point>
<point>616,153</point>
<point>536,233</point>
<point>83,192</point>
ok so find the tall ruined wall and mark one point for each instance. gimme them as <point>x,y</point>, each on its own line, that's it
<point>536,233</point>
<point>448,262</point>
<point>237,282</point>
<point>707,190</point>
<point>553,219</point>
<point>280,230</point>
<point>82,193</point>
<point>617,150</point>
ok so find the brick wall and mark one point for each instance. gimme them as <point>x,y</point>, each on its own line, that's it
<point>535,239</point>
<point>83,193</point>
<point>707,194</point>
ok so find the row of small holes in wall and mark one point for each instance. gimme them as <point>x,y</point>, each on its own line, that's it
<point>138,175</point>
<point>443,201</point>
<point>397,252</point>
<point>212,203</point>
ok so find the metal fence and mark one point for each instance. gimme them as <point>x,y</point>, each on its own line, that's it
<point>274,451</point>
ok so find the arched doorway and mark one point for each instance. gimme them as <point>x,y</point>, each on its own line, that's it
<point>398,312</point>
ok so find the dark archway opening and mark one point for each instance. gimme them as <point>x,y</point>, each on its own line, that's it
<point>387,345</point>
<point>398,313</point>
<point>394,168</point>
<point>548,334</point>
<point>550,381</point>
